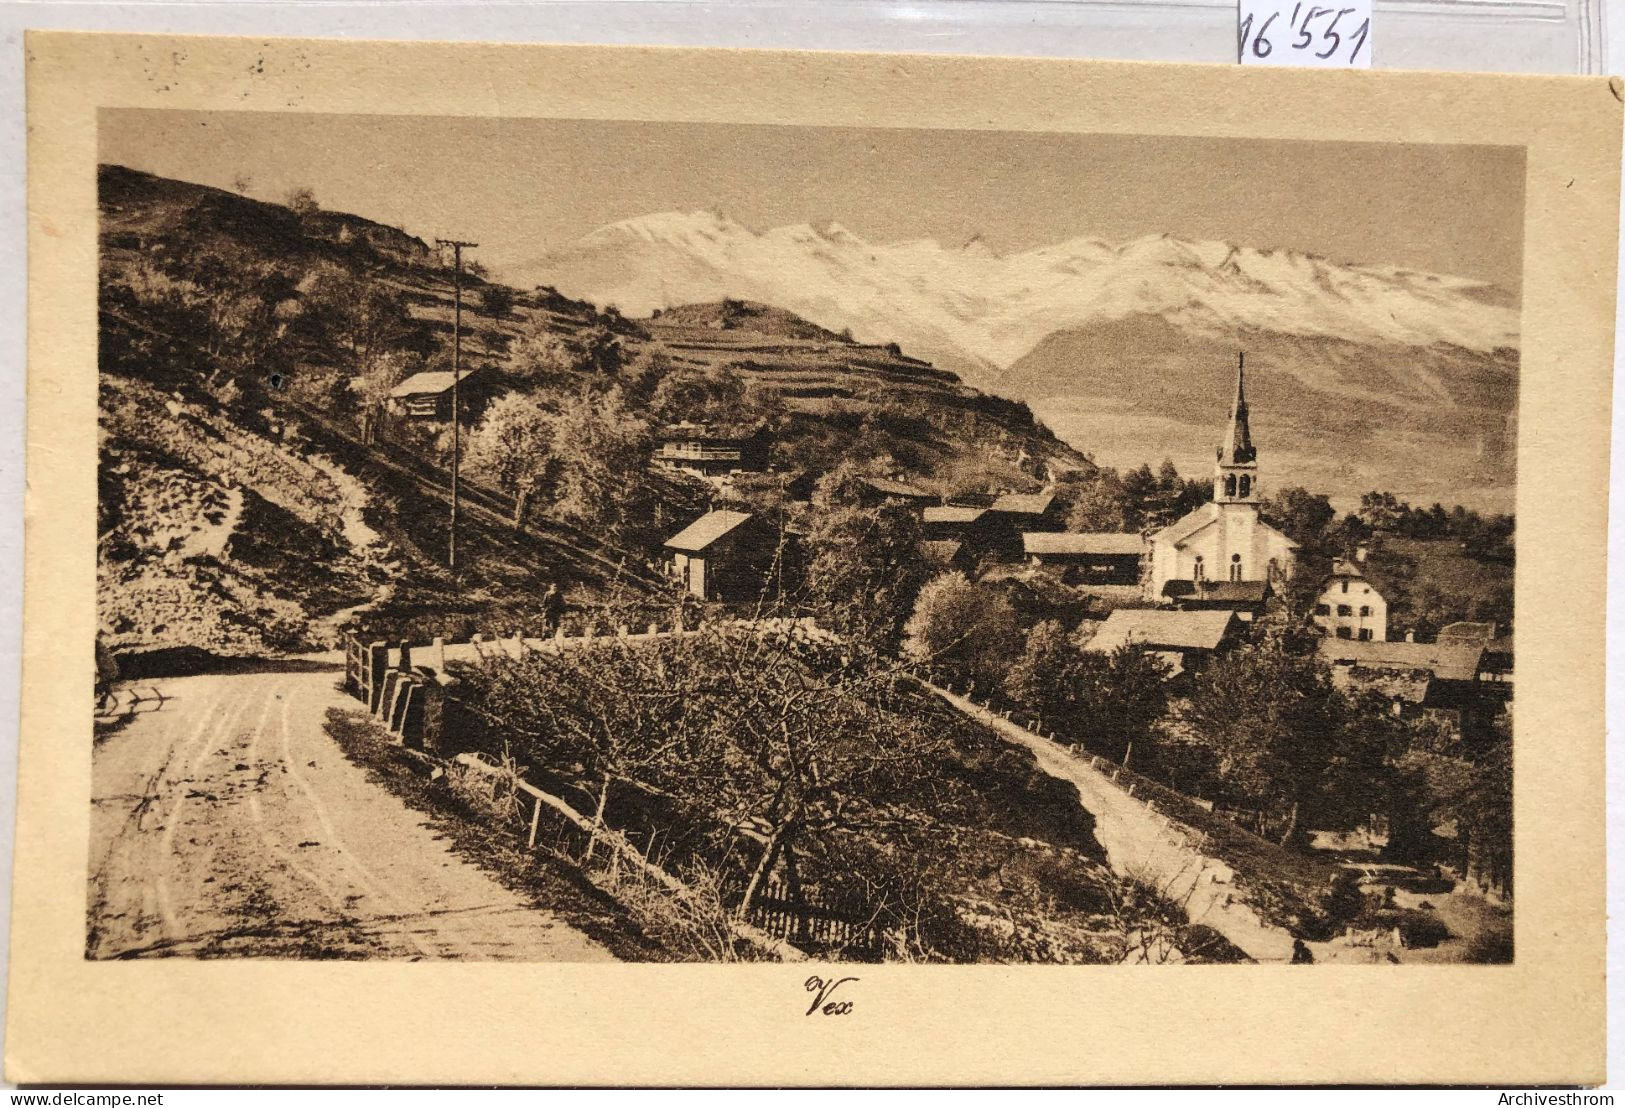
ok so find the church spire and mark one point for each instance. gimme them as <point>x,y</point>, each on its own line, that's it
<point>1238,443</point>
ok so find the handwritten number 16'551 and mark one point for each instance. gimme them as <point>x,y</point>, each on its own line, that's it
<point>1308,35</point>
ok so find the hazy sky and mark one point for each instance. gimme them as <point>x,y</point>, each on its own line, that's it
<point>523,186</point>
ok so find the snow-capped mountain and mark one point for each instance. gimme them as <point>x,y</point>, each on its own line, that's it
<point>977,311</point>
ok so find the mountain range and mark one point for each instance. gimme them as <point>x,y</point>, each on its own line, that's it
<point>1365,375</point>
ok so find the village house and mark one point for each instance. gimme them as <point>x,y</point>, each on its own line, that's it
<point>1349,605</point>
<point>427,395</point>
<point>708,452</point>
<point>723,555</point>
<point>1441,679</point>
<point>1092,558</point>
<point>1225,540</point>
<point>1187,641</point>
<point>1019,512</point>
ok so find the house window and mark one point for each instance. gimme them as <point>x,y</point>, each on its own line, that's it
<point>1343,633</point>
<point>1365,634</point>
<point>1344,610</point>
<point>1230,484</point>
<point>1235,567</point>
<point>1323,609</point>
<point>1365,609</point>
<point>1196,570</point>
<point>1345,586</point>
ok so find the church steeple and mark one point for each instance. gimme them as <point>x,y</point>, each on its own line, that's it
<point>1238,444</point>
<point>1235,476</point>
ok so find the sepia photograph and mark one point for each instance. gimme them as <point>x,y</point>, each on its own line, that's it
<point>546,539</point>
<point>615,566</point>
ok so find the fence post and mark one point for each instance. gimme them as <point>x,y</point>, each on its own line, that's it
<point>377,662</point>
<point>405,664</point>
<point>535,818</point>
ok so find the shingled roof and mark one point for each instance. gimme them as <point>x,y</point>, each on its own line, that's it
<point>1162,628</point>
<point>1024,503</point>
<point>710,527</point>
<point>1446,661</point>
<point>949,513</point>
<point>1090,542</point>
<point>430,382</point>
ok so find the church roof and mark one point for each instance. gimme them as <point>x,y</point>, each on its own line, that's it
<point>1185,528</point>
<point>1188,524</point>
<point>1237,448</point>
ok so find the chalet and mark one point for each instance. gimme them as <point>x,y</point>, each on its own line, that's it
<point>1245,598</point>
<point>1349,605</point>
<point>1093,558</point>
<point>723,555</point>
<point>427,395</point>
<point>1020,512</point>
<point>708,452</point>
<point>1187,640</point>
<point>1415,677</point>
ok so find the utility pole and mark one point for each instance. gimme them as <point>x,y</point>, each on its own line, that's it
<point>456,381</point>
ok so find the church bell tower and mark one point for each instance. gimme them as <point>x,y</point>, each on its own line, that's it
<point>1235,475</point>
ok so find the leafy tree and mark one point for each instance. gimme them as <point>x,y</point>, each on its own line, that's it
<point>540,355</point>
<point>497,300</point>
<point>512,447</point>
<point>602,453</point>
<point>864,570</point>
<point>1100,505</point>
<point>1105,700</point>
<point>1304,516</point>
<point>1272,717</point>
<point>380,373</point>
<point>599,350</point>
<point>965,627</point>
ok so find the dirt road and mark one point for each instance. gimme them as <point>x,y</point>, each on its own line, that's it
<point>1138,844</point>
<point>226,823</point>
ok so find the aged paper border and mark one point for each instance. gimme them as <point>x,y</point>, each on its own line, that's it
<point>167,1022</point>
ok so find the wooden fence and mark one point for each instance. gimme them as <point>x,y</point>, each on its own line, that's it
<point>838,922</point>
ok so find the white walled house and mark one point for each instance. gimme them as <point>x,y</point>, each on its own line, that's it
<point>1225,540</point>
<point>1349,606</point>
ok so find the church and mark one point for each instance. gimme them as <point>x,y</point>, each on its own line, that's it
<point>1223,551</point>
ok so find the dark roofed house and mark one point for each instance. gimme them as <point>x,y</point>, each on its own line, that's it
<point>1187,639</point>
<point>427,395</point>
<point>1094,558</point>
<point>723,555</point>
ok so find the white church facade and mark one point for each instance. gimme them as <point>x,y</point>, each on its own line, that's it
<point>1225,543</point>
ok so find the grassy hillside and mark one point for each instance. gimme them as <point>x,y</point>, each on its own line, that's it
<point>256,494</point>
